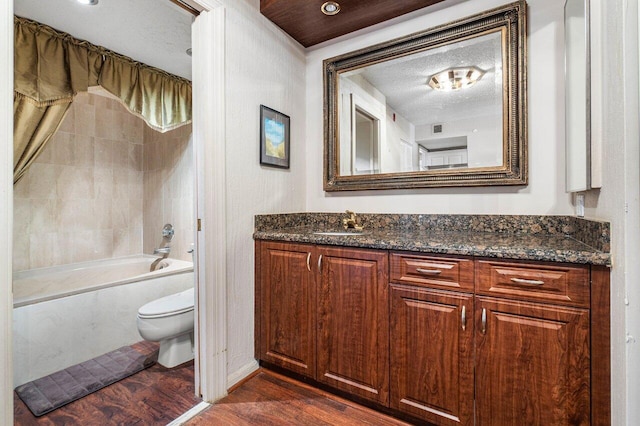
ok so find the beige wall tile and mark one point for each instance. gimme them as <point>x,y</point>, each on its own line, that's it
<point>42,249</point>
<point>21,251</point>
<point>120,155</point>
<point>103,152</point>
<point>120,242</point>
<point>62,149</point>
<point>75,215</point>
<point>135,240</point>
<point>120,213</point>
<point>84,246</point>
<point>42,178</point>
<point>84,151</point>
<point>85,120</point>
<point>103,187</point>
<point>43,215</point>
<point>120,184</point>
<point>103,184</point>
<point>75,183</point>
<point>135,157</point>
<point>102,215</point>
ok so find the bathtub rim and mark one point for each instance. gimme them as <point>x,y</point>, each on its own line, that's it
<point>177,267</point>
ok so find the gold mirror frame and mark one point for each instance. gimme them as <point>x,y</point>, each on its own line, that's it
<point>511,19</point>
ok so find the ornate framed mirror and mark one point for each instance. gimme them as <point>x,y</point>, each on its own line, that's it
<point>443,107</point>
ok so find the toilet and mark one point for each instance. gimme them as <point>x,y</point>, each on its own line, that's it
<point>169,320</point>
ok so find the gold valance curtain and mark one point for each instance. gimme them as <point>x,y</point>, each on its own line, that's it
<point>51,67</point>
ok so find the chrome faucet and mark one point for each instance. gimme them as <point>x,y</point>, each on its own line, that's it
<point>165,247</point>
<point>351,222</point>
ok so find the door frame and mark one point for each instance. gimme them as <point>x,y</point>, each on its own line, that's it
<point>209,132</point>
<point>208,43</point>
<point>6,211</point>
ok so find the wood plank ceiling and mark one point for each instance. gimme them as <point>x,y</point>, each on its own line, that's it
<point>303,20</point>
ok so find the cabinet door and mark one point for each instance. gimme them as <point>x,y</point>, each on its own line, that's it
<point>353,340</point>
<point>432,354</point>
<point>532,364</point>
<point>287,307</point>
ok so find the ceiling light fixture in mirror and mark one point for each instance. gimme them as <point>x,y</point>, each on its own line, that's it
<point>443,107</point>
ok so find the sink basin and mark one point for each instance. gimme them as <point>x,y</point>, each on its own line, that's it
<point>339,233</point>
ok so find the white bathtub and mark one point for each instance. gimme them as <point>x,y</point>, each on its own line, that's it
<point>68,314</point>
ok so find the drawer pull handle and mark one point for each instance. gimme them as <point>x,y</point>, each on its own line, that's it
<point>464,318</point>
<point>484,321</point>
<point>429,271</point>
<point>523,281</point>
<point>320,264</point>
<point>308,260</point>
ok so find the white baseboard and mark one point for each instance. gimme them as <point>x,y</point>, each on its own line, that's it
<point>237,376</point>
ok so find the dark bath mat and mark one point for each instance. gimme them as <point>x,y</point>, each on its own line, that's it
<point>55,390</point>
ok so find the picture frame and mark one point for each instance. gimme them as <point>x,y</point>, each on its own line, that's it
<point>274,138</point>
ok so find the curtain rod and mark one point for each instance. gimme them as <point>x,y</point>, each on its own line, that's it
<point>186,7</point>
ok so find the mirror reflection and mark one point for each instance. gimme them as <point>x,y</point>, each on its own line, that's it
<point>437,109</point>
<point>442,107</point>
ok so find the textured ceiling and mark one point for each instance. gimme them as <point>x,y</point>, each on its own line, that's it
<point>154,32</point>
<point>404,81</point>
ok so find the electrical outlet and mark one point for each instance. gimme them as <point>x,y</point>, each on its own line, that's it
<point>580,205</point>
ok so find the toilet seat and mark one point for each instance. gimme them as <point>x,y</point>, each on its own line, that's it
<point>174,304</point>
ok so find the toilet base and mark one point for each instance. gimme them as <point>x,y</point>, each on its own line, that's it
<point>176,351</point>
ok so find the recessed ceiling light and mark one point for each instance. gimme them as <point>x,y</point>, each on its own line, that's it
<point>455,78</point>
<point>330,8</point>
<point>89,2</point>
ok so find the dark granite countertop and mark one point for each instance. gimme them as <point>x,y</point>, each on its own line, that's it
<point>555,243</point>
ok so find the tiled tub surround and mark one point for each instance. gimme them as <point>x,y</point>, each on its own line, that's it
<point>542,238</point>
<point>101,183</point>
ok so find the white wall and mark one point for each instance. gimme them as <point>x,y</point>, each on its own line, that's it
<point>545,192</point>
<point>617,201</point>
<point>264,66</point>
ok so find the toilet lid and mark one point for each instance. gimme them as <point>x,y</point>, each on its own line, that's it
<point>172,304</point>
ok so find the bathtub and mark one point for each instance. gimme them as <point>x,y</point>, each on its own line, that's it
<point>68,314</point>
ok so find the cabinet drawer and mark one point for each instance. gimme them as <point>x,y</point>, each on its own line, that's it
<point>553,282</point>
<point>432,271</point>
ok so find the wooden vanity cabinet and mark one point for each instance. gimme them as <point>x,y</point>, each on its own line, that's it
<point>353,322</point>
<point>323,312</point>
<point>286,306</point>
<point>432,337</point>
<point>533,343</point>
<point>448,340</point>
<point>532,363</point>
<point>432,354</point>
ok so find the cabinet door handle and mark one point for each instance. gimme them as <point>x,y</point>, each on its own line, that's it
<point>464,318</point>
<point>484,321</point>
<point>429,271</point>
<point>523,281</point>
<point>308,261</point>
<point>320,263</point>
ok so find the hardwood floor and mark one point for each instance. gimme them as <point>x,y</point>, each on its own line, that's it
<point>269,398</point>
<point>154,396</point>
<point>157,395</point>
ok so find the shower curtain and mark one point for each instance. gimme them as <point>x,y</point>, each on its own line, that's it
<point>51,67</point>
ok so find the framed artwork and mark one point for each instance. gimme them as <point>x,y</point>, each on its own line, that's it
<point>274,138</point>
